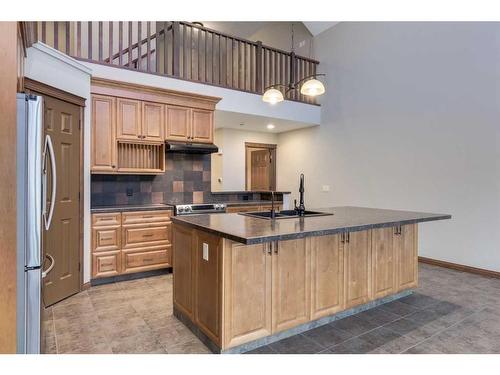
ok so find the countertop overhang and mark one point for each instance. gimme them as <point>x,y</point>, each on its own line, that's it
<point>248,230</point>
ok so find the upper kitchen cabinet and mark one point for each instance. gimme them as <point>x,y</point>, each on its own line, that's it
<point>103,134</point>
<point>129,120</point>
<point>189,125</point>
<point>153,121</point>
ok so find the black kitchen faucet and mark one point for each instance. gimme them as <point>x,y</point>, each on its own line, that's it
<point>301,209</point>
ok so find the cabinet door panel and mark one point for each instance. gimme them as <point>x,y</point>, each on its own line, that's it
<point>201,125</point>
<point>327,276</point>
<point>357,268</point>
<point>291,284</point>
<point>103,134</point>
<point>129,119</point>
<point>208,284</point>
<point>383,262</point>
<point>407,253</point>
<point>178,123</point>
<point>106,264</point>
<point>153,121</point>
<point>247,277</point>
<point>183,258</point>
<point>106,238</point>
<point>145,259</point>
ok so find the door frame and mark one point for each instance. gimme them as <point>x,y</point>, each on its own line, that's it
<point>36,87</point>
<point>272,149</point>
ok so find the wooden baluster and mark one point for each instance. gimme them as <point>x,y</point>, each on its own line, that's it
<point>165,48</point>
<point>200,35</point>
<point>184,51</point>
<point>148,45</point>
<point>120,43</point>
<point>208,58</point>
<point>222,61</point>
<point>139,45</point>
<point>214,60</point>
<point>100,40</point>
<point>79,39</point>
<point>229,62</point>
<point>44,32</point>
<point>56,35</point>
<point>89,45</point>
<point>240,65</point>
<point>287,70</point>
<point>130,44</point>
<point>176,52</point>
<point>110,42</point>
<point>67,37</point>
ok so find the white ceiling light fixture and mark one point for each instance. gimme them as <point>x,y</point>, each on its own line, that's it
<point>309,85</point>
<point>270,126</point>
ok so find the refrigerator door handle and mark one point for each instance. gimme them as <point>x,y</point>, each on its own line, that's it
<point>52,264</point>
<point>50,149</point>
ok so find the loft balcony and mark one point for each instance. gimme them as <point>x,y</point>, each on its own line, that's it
<point>181,50</point>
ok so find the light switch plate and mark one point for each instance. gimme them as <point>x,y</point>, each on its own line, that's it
<point>326,188</point>
<point>205,251</point>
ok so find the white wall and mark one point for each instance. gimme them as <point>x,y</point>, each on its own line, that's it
<point>410,121</point>
<point>49,66</point>
<point>230,166</point>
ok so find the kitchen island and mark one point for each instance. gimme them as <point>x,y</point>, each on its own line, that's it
<point>241,282</point>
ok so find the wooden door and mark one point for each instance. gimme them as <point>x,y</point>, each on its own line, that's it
<point>183,258</point>
<point>208,284</point>
<point>153,122</point>
<point>407,257</point>
<point>357,268</point>
<point>103,134</point>
<point>178,124</point>
<point>247,277</point>
<point>129,119</point>
<point>327,276</point>
<point>383,262</point>
<point>62,240</point>
<point>260,170</point>
<point>202,127</point>
<point>290,284</point>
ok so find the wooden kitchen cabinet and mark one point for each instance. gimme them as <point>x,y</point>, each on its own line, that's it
<point>106,239</point>
<point>153,121</point>
<point>247,277</point>
<point>357,267</point>
<point>327,276</point>
<point>189,125</point>
<point>202,127</point>
<point>103,157</point>
<point>106,264</point>
<point>183,258</point>
<point>383,262</point>
<point>146,258</point>
<point>129,119</point>
<point>406,250</point>
<point>178,124</point>
<point>290,284</point>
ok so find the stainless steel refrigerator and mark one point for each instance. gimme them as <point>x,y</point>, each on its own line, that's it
<point>35,206</point>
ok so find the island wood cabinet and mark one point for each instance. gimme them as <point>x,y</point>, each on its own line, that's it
<point>130,124</point>
<point>251,208</point>
<point>130,242</point>
<point>189,125</point>
<point>246,292</point>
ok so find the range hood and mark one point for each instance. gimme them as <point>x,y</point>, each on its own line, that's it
<point>191,148</point>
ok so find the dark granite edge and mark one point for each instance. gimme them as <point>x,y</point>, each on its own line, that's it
<point>248,192</point>
<point>250,203</point>
<point>297,235</point>
<point>153,207</point>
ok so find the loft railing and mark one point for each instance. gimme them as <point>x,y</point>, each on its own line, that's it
<point>181,50</point>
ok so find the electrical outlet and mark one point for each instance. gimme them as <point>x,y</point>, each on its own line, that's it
<point>130,192</point>
<point>205,251</point>
<point>325,188</point>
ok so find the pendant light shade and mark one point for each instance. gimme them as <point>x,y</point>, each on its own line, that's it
<point>272,96</point>
<point>312,87</point>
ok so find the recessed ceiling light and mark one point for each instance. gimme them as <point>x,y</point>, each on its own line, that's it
<point>270,126</point>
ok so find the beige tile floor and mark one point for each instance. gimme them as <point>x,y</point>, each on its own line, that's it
<point>451,312</point>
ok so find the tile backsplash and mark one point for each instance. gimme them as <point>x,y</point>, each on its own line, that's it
<point>186,180</point>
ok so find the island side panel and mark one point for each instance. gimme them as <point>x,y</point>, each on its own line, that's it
<point>247,292</point>
<point>183,259</point>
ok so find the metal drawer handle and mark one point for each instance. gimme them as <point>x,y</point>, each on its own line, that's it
<point>106,264</point>
<point>52,263</point>
<point>148,259</point>
<point>147,235</point>
<point>106,238</point>
<point>148,216</point>
<point>106,218</point>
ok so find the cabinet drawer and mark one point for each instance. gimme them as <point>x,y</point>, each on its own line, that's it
<point>106,239</point>
<point>146,258</point>
<point>106,264</point>
<point>106,219</point>
<point>134,236</point>
<point>144,217</point>
<point>242,209</point>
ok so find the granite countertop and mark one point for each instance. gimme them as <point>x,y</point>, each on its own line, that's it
<point>250,230</point>
<point>250,203</point>
<point>123,208</point>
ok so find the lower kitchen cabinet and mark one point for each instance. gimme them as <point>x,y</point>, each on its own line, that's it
<point>357,267</point>
<point>406,249</point>
<point>247,277</point>
<point>290,284</point>
<point>130,242</point>
<point>327,276</point>
<point>383,262</point>
<point>183,258</point>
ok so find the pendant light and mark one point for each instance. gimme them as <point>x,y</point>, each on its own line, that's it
<point>309,85</point>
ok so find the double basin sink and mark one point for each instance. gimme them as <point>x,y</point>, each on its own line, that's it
<point>285,214</point>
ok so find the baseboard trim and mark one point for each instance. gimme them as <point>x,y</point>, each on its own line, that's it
<point>460,267</point>
<point>85,286</point>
